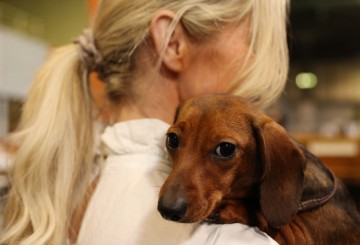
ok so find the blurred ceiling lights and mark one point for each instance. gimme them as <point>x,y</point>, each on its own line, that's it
<point>306,80</point>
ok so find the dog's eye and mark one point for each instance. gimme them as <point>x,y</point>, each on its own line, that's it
<point>172,141</point>
<point>225,150</point>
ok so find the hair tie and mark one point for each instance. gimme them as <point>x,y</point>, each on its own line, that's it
<point>88,52</point>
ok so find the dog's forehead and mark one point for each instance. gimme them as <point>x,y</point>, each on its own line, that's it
<point>212,119</point>
<point>212,105</point>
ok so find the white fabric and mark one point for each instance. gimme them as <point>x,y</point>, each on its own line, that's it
<point>5,160</point>
<point>4,166</point>
<point>123,207</point>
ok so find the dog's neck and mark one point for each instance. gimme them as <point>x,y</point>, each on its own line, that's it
<point>319,184</point>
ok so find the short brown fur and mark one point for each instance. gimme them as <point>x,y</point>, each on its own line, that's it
<point>262,184</point>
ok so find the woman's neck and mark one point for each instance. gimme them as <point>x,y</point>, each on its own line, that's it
<point>154,100</point>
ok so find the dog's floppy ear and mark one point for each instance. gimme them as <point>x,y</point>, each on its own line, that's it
<point>283,172</point>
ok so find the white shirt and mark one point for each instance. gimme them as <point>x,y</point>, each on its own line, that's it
<point>123,208</point>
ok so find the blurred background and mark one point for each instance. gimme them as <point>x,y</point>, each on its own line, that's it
<point>320,106</point>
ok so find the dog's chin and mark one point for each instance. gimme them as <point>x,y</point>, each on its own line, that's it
<point>186,220</point>
<point>208,216</point>
<point>192,219</point>
<point>213,218</point>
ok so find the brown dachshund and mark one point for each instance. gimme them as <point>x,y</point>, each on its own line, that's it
<point>232,164</point>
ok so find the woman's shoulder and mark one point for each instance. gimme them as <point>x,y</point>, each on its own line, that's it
<point>212,234</point>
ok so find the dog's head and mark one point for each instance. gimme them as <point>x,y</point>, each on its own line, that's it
<point>224,148</point>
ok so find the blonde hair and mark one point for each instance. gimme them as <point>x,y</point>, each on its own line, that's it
<point>262,80</point>
<point>54,163</point>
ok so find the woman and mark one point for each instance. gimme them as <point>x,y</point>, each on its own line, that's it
<point>152,55</point>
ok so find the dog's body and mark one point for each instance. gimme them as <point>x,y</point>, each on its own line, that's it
<point>234,164</point>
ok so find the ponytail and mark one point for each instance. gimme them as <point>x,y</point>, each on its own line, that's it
<point>53,165</point>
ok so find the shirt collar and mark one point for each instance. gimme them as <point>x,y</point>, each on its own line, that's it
<point>136,137</point>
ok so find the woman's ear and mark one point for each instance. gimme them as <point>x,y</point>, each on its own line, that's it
<point>170,49</point>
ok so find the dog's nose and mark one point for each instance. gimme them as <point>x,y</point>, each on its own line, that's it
<point>173,209</point>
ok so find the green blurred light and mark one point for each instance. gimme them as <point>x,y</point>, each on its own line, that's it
<point>306,80</point>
